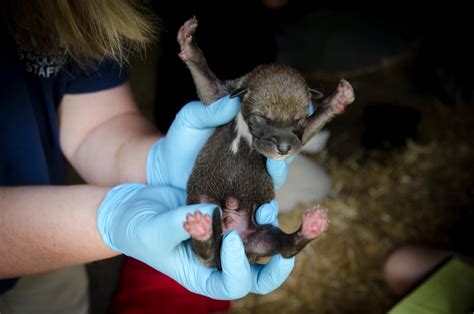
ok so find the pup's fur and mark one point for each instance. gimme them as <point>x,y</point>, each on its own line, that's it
<point>231,169</point>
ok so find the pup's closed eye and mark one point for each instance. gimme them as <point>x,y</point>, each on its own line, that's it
<point>257,119</point>
<point>257,125</point>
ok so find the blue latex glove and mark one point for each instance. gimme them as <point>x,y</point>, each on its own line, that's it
<point>278,170</point>
<point>274,273</point>
<point>171,159</point>
<point>146,223</point>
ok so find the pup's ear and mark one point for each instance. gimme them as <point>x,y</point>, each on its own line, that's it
<point>316,94</point>
<point>238,92</point>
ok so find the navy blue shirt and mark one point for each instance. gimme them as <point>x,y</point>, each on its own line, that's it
<point>31,88</point>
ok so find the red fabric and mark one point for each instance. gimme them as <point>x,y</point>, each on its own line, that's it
<point>144,290</point>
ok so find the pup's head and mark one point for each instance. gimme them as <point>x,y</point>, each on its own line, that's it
<point>275,102</point>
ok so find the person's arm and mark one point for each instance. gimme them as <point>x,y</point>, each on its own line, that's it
<point>44,228</point>
<point>48,227</point>
<point>105,137</point>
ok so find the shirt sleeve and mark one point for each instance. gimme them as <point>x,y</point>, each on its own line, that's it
<point>99,76</point>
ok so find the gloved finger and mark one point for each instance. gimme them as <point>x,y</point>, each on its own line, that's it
<point>278,170</point>
<point>199,116</point>
<point>170,223</point>
<point>268,214</point>
<point>266,278</point>
<point>234,281</point>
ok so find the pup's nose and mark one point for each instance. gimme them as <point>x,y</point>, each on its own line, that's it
<point>283,149</point>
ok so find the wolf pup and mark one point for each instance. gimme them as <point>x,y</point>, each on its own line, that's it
<point>231,170</point>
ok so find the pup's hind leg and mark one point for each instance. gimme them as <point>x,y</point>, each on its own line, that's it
<point>209,87</point>
<point>205,236</point>
<point>269,240</point>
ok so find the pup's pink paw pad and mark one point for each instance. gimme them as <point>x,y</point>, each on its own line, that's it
<point>198,226</point>
<point>315,222</point>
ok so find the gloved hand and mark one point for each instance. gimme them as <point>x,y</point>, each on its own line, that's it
<point>171,159</point>
<point>275,272</point>
<point>146,223</point>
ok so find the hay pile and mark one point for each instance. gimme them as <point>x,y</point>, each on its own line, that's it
<point>420,194</point>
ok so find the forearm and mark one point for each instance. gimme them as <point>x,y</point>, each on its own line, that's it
<point>43,228</point>
<point>105,137</point>
<point>117,151</point>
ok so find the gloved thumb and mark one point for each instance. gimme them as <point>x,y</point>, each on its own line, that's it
<point>199,116</point>
<point>272,275</point>
<point>268,214</point>
<point>235,281</point>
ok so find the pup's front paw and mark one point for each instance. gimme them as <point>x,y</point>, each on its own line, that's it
<point>185,39</point>
<point>344,96</point>
<point>315,222</point>
<point>198,226</point>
